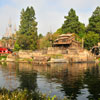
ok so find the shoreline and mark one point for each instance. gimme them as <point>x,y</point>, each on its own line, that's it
<point>39,57</point>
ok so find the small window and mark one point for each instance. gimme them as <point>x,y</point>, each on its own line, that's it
<point>64,40</point>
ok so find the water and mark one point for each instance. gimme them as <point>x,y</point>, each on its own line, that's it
<point>76,81</point>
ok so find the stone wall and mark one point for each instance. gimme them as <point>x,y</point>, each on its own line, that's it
<point>80,56</point>
<point>56,50</point>
<point>70,55</point>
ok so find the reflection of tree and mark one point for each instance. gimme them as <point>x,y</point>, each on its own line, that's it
<point>28,80</point>
<point>92,79</point>
<point>73,77</point>
<point>71,87</point>
<point>69,77</point>
<point>27,76</point>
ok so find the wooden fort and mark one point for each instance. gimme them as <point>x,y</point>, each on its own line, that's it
<point>67,41</point>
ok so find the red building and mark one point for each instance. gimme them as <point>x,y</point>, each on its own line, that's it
<point>5,50</point>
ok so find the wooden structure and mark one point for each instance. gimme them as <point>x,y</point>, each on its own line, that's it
<point>66,40</point>
<point>95,50</point>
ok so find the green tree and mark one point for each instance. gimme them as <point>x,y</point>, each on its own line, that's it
<point>72,24</point>
<point>46,41</point>
<point>27,34</point>
<point>59,31</point>
<point>16,47</point>
<point>90,40</point>
<point>94,21</point>
<point>56,34</point>
<point>40,36</point>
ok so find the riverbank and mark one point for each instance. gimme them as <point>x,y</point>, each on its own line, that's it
<point>51,55</point>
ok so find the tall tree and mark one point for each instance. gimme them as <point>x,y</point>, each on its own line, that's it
<point>27,35</point>
<point>94,21</point>
<point>90,40</point>
<point>72,24</point>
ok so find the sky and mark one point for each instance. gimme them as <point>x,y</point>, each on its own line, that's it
<point>49,13</point>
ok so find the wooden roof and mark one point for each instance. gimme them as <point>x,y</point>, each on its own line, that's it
<point>69,38</point>
<point>65,36</point>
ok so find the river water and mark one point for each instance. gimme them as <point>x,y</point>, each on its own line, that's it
<point>77,81</point>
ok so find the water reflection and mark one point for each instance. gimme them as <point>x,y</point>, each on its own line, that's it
<point>92,79</point>
<point>8,77</point>
<point>78,81</point>
<point>28,80</point>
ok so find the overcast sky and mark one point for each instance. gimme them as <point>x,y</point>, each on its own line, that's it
<point>49,13</point>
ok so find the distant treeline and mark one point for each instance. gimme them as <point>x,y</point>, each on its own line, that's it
<point>28,39</point>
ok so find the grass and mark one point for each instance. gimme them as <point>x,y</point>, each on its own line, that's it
<point>3,57</point>
<point>25,95</point>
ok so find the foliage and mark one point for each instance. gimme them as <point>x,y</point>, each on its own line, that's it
<point>40,36</point>
<point>27,34</point>
<point>72,24</point>
<point>46,41</point>
<point>16,47</point>
<point>56,34</point>
<point>94,21</point>
<point>24,95</point>
<point>59,31</point>
<point>27,37</point>
<point>3,57</point>
<point>91,39</point>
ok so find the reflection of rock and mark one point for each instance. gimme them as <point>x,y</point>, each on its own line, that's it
<point>25,67</point>
<point>8,75</point>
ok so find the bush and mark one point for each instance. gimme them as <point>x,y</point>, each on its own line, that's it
<point>24,95</point>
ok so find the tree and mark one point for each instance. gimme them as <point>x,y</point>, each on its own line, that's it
<point>90,40</point>
<point>40,36</point>
<point>16,47</point>
<point>46,41</point>
<point>27,34</point>
<point>94,21</point>
<point>56,34</point>
<point>72,24</point>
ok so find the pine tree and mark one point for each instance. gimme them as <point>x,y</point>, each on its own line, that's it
<point>94,21</point>
<point>72,24</point>
<point>27,34</point>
